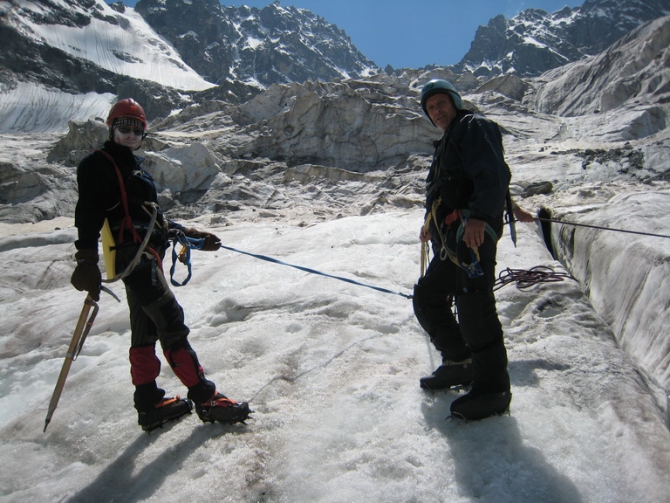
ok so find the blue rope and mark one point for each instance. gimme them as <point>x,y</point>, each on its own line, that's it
<point>314,271</point>
<point>187,243</point>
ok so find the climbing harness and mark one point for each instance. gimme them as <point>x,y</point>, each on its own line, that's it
<point>523,278</point>
<point>143,249</point>
<point>473,269</point>
<point>127,224</point>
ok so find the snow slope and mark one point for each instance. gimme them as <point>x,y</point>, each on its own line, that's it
<point>31,107</point>
<point>128,47</point>
<point>332,371</point>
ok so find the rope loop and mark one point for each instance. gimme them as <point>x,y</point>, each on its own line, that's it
<point>527,278</point>
<point>184,256</point>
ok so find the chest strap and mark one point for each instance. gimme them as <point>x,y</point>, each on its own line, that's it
<point>127,222</point>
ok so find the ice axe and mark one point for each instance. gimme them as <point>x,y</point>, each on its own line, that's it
<point>80,332</point>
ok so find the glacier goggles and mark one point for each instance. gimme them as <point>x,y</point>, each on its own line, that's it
<point>128,129</point>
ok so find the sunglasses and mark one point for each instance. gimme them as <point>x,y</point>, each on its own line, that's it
<point>128,129</point>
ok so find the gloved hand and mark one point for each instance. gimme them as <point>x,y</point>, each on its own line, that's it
<point>212,243</point>
<point>86,276</point>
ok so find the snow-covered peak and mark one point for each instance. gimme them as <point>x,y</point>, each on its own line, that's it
<point>276,44</point>
<point>535,41</point>
<point>119,42</point>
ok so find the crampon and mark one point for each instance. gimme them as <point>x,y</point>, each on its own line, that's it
<point>221,409</point>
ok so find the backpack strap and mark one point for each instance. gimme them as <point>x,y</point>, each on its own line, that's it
<point>127,222</point>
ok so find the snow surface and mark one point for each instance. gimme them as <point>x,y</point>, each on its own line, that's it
<point>331,370</point>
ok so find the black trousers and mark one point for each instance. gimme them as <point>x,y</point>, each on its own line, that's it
<point>155,315</point>
<point>478,333</point>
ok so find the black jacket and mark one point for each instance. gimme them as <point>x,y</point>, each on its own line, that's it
<point>100,195</point>
<point>469,170</point>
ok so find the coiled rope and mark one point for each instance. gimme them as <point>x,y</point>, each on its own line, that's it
<point>527,278</point>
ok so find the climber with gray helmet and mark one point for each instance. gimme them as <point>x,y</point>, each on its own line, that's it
<point>466,193</point>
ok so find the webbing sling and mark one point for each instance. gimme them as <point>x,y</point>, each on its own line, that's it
<point>184,256</point>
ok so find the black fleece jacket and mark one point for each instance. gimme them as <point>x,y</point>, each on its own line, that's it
<point>100,194</point>
<point>469,169</point>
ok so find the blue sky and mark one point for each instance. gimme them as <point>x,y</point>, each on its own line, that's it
<point>412,33</point>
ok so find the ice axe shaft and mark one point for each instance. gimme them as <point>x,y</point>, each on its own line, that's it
<point>80,332</point>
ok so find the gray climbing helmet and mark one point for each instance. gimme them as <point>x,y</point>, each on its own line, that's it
<point>437,86</point>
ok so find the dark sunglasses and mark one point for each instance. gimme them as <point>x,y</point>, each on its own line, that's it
<point>128,129</point>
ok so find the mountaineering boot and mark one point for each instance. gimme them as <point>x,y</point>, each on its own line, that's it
<point>221,409</point>
<point>480,405</point>
<point>449,374</point>
<point>168,409</point>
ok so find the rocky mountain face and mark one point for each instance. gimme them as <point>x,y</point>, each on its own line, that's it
<point>241,50</point>
<point>244,50</point>
<point>581,87</point>
<point>272,45</point>
<point>536,41</point>
<point>23,56</point>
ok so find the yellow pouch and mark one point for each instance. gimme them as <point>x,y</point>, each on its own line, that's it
<point>108,251</point>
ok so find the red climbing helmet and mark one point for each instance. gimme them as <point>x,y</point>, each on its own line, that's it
<point>127,108</point>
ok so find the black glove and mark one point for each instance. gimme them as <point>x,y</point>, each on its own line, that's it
<point>86,277</point>
<point>212,243</point>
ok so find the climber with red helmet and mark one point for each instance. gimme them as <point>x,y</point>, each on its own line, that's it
<point>466,195</point>
<point>115,191</point>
